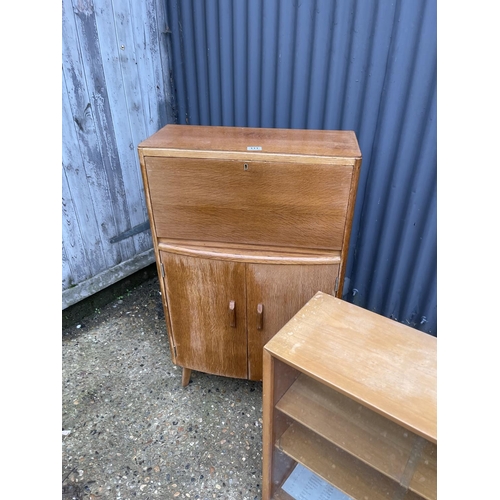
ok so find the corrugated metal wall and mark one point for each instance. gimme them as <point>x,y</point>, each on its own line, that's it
<point>116,91</point>
<point>367,66</point>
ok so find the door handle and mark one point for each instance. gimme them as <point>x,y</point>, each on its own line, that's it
<point>232,314</point>
<point>260,316</point>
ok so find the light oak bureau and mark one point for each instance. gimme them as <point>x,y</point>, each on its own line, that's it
<point>247,225</point>
<point>351,395</point>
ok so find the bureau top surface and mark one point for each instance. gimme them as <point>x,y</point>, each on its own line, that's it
<point>334,143</point>
<point>386,366</point>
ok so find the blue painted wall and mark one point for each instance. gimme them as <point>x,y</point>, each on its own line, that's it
<point>367,66</point>
<point>116,91</point>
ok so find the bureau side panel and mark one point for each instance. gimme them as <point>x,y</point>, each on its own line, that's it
<point>348,226</point>
<point>246,202</point>
<point>145,181</point>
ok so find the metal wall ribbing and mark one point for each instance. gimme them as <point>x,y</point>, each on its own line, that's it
<point>367,66</point>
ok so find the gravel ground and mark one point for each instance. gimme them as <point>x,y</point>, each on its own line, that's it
<point>130,430</point>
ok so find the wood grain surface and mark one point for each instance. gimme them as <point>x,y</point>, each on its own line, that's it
<point>366,435</point>
<point>424,479</point>
<point>276,466</point>
<point>199,292</point>
<point>335,466</point>
<point>282,290</point>
<point>386,366</point>
<point>330,143</point>
<point>279,204</point>
<point>250,253</point>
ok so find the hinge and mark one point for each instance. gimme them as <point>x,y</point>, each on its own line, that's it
<point>175,351</point>
<point>162,270</point>
<point>336,285</point>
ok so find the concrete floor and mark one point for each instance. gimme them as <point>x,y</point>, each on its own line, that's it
<point>131,431</point>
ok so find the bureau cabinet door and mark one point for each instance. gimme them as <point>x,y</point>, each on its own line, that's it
<point>207,308</point>
<point>275,293</point>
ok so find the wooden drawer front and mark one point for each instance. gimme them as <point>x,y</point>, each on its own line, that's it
<point>280,204</point>
<point>207,337</point>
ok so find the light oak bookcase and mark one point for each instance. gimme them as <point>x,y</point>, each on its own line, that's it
<point>351,395</point>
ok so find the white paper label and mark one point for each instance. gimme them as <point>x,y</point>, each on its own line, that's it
<point>254,148</point>
<point>302,484</point>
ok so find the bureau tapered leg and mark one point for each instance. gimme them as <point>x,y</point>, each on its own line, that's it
<point>186,376</point>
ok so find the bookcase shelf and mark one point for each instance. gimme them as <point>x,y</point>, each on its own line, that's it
<point>351,396</point>
<point>334,465</point>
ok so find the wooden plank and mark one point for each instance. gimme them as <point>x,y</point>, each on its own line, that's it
<point>237,247</point>
<point>128,57</point>
<point>267,424</point>
<point>99,105</point>
<point>331,143</point>
<point>79,89</point>
<point>276,466</point>
<point>149,38</point>
<point>80,152</point>
<point>73,245</point>
<point>368,436</point>
<point>384,365</point>
<point>125,111</point>
<point>103,115</point>
<point>66,270</point>
<point>348,226</point>
<point>335,466</point>
<point>252,156</point>
<point>108,277</point>
<point>260,205</point>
